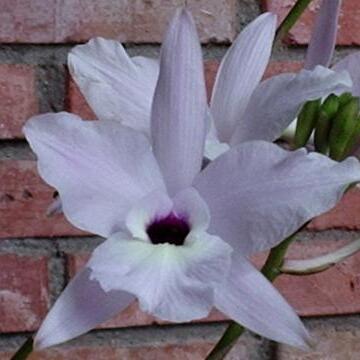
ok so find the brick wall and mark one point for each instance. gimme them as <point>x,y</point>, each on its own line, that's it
<point>38,255</point>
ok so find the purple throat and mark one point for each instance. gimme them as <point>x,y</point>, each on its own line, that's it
<point>171,230</point>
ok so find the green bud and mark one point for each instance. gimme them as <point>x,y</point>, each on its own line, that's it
<point>331,105</point>
<point>306,122</point>
<point>327,111</point>
<point>343,127</point>
<point>322,131</point>
<point>345,98</point>
<point>354,139</point>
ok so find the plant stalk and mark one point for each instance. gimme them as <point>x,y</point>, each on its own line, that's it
<point>291,18</point>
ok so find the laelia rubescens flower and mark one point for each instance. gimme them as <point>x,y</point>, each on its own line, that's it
<point>178,237</point>
<point>241,108</point>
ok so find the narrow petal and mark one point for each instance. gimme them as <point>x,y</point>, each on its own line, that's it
<point>258,194</point>
<point>81,307</point>
<point>351,64</point>
<point>323,38</point>
<point>174,283</point>
<point>116,86</point>
<point>248,298</point>
<point>276,101</point>
<point>99,168</point>
<point>240,72</point>
<point>179,107</point>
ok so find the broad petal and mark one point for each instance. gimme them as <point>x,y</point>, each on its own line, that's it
<point>248,298</point>
<point>240,72</point>
<point>276,101</point>
<point>99,168</point>
<point>258,194</point>
<point>81,307</point>
<point>178,113</point>
<point>323,38</point>
<point>174,283</point>
<point>351,64</point>
<point>116,86</point>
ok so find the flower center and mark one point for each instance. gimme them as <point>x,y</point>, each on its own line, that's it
<point>171,229</point>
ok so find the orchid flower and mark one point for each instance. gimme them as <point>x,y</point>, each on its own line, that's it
<point>242,108</point>
<point>178,236</point>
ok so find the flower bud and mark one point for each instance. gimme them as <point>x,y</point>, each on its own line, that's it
<point>343,127</point>
<point>327,111</point>
<point>345,98</point>
<point>306,122</point>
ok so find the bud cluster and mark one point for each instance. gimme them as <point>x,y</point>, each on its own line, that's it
<point>335,123</point>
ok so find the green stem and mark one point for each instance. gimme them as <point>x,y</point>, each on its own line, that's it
<point>291,18</point>
<point>24,351</point>
<point>270,270</point>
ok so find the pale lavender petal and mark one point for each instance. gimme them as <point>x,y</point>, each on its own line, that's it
<point>156,205</point>
<point>189,204</point>
<point>174,283</point>
<point>351,64</point>
<point>323,38</point>
<point>240,72</point>
<point>276,101</point>
<point>179,107</point>
<point>99,168</point>
<point>81,307</point>
<point>248,298</point>
<point>213,146</point>
<point>258,194</point>
<point>116,86</point>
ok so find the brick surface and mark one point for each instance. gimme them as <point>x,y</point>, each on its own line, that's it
<point>24,198</point>
<point>349,25</point>
<point>155,352</point>
<point>280,67</point>
<point>346,215</point>
<point>335,291</point>
<point>23,292</point>
<point>333,343</point>
<point>141,21</point>
<point>18,98</point>
<point>246,348</point>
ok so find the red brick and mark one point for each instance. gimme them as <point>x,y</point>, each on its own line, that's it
<point>76,103</point>
<point>24,198</point>
<point>18,99</point>
<point>195,351</point>
<point>346,215</point>
<point>244,349</point>
<point>335,291</point>
<point>280,67</point>
<point>24,294</point>
<point>129,21</point>
<point>333,343</point>
<point>349,25</point>
<point>332,292</point>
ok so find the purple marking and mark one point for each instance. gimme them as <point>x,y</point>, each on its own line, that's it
<point>171,229</point>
